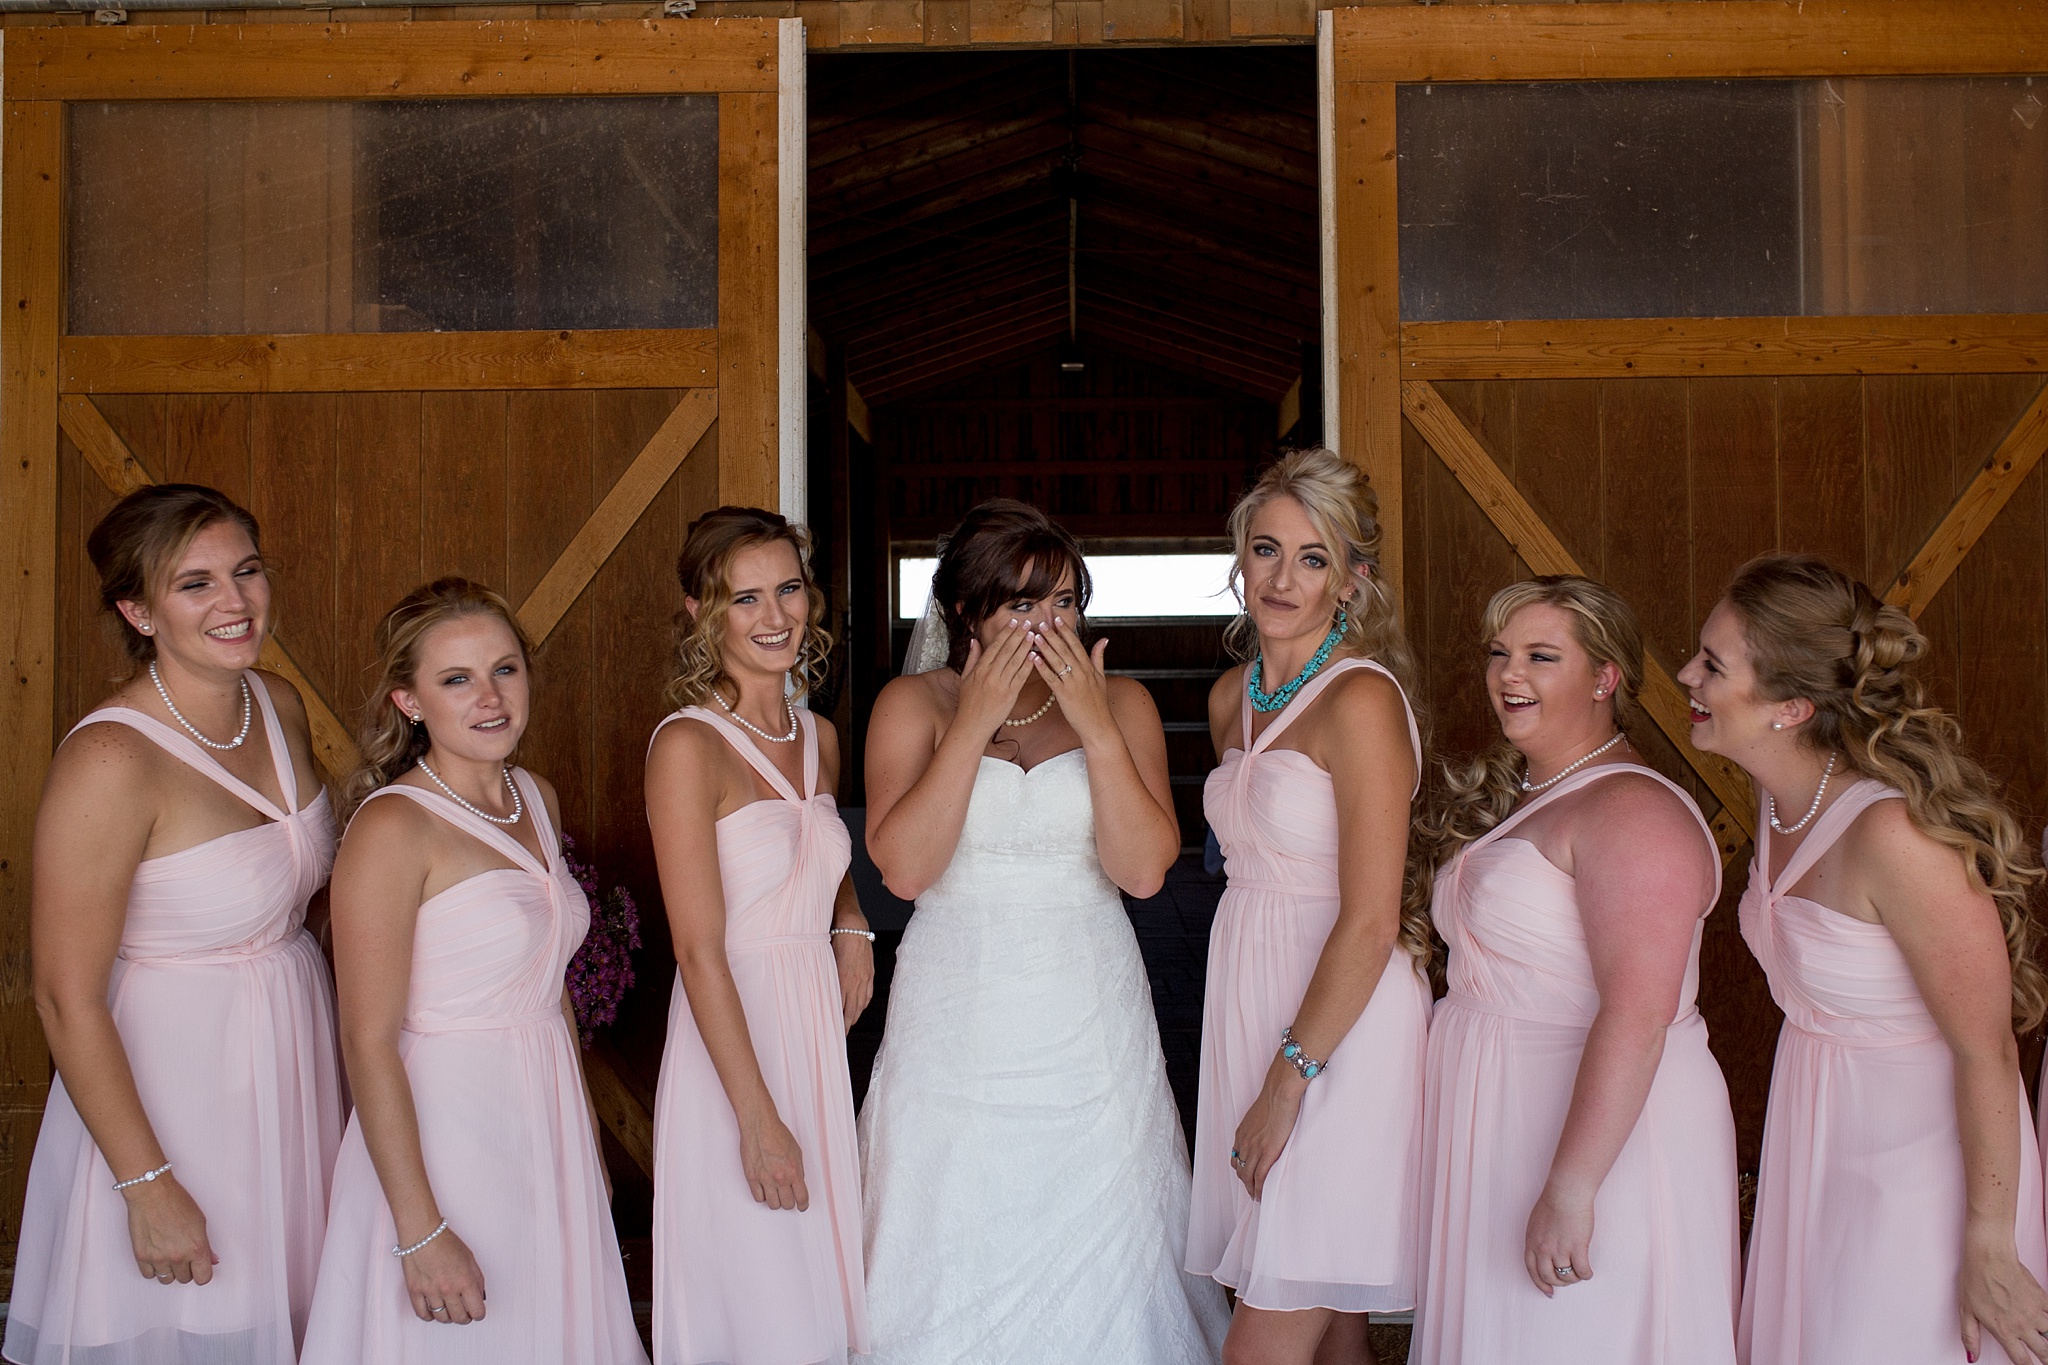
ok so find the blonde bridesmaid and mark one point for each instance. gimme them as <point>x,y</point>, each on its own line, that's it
<point>757,1208</point>
<point>1307,1138</point>
<point>1899,1205</point>
<point>179,1185</point>
<point>1582,1202</point>
<point>471,1218</point>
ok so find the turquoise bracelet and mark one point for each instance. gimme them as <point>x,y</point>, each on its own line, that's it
<point>1308,1066</point>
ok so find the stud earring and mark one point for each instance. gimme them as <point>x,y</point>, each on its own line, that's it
<point>146,629</point>
<point>1777,725</point>
<point>1599,695</point>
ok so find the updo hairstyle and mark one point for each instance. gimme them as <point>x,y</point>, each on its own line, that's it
<point>1815,632</point>
<point>1001,551</point>
<point>389,742</point>
<point>704,568</point>
<point>138,542</point>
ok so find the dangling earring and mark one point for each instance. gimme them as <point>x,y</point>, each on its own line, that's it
<point>1343,619</point>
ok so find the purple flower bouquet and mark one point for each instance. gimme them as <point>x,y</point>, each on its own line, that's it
<point>602,971</point>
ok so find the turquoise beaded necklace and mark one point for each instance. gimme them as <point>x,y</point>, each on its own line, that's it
<point>1263,700</point>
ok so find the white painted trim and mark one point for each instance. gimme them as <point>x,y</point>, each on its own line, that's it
<point>792,245</point>
<point>1326,211</point>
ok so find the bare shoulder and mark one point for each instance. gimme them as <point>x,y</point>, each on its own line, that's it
<point>1128,694</point>
<point>548,797</point>
<point>1365,701</point>
<point>1633,812</point>
<point>105,757</point>
<point>688,743</point>
<point>916,697</point>
<point>1885,845</point>
<point>828,741</point>
<point>285,697</point>
<point>385,824</point>
<point>1226,694</point>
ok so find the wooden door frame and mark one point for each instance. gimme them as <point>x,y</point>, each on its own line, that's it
<point>747,375</point>
<point>1379,369</point>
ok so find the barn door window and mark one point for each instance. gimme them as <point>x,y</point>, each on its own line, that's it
<point>1625,199</point>
<point>207,217</point>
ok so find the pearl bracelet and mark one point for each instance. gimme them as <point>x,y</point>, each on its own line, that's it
<point>407,1251</point>
<point>144,1178</point>
<point>867,934</point>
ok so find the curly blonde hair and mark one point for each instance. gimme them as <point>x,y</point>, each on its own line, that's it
<point>1344,510</point>
<point>387,739</point>
<point>1465,800</point>
<point>704,568</point>
<point>1815,632</point>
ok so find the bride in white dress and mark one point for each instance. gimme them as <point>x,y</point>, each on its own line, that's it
<point>1024,1174</point>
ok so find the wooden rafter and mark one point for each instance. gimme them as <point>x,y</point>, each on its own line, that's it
<point>1974,511</point>
<point>1466,456</point>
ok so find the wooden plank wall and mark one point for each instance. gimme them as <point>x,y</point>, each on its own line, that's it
<point>1662,487</point>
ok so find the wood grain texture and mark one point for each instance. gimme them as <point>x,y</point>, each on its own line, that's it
<point>1368,302</point>
<point>465,58</point>
<point>1996,480</point>
<point>748,307</point>
<point>31,282</point>
<point>1691,41</point>
<point>622,507</point>
<point>1544,553</point>
<point>619,1109</point>
<point>359,362</point>
<point>1681,347</point>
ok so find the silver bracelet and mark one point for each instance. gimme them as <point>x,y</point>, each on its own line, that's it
<point>1308,1066</point>
<point>145,1177</point>
<point>407,1251</point>
<point>867,934</point>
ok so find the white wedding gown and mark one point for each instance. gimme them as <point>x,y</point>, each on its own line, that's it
<point>1024,1176</point>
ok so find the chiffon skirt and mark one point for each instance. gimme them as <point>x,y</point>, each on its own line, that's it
<point>235,1063</point>
<point>736,1282</point>
<point>1664,1249</point>
<point>505,1131</point>
<point>1336,1225</point>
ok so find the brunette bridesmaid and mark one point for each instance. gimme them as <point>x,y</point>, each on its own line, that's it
<point>179,1185</point>
<point>1308,1133</point>
<point>757,1231</point>
<point>1899,1206</point>
<point>470,1170</point>
<point>1582,1203</point>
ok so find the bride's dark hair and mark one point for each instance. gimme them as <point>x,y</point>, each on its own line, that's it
<point>1000,551</point>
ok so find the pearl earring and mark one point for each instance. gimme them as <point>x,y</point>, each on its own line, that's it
<point>146,629</point>
<point>1777,725</point>
<point>1598,695</point>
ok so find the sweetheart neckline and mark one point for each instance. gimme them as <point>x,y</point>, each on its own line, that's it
<point>1043,762</point>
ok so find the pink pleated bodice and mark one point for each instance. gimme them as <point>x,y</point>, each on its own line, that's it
<point>1504,1053</point>
<point>1336,1225</point>
<point>226,1013</point>
<point>1857,1242</point>
<point>719,1255</point>
<point>504,1128</point>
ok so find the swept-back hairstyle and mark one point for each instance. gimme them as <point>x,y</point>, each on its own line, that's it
<point>388,740</point>
<point>1345,511</point>
<point>138,542</point>
<point>704,568</point>
<point>1815,632</point>
<point>1003,549</point>
<point>1465,800</point>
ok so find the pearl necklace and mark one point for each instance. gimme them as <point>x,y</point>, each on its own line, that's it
<point>248,711</point>
<point>787,705</point>
<point>518,806</point>
<point>1563,773</point>
<point>1020,724</point>
<point>1771,803</point>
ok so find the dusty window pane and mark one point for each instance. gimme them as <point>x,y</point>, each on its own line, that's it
<point>1661,199</point>
<point>449,215</point>
<point>1655,199</point>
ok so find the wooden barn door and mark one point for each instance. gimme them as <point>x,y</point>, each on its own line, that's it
<point>1557,345</point>
<point>509,300</point>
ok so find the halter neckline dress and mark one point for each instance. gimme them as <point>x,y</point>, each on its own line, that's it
<point>226,1014</point>
<point>1504,1052</point>
<point>1336,1225</point>
<point>504,1128</point>
<point>736,1282</point>
<point>1857,1241</point>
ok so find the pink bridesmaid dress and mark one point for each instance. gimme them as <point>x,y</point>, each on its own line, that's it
<point>1504,1051</point>
<point>225,1011</point>
<point>504,1127</point>
<point>1857,1241</point>
<point>1335,1227</point>
<point>736,1282</point>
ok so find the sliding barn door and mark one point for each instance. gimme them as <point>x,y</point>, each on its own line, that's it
<point>510,300</point>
